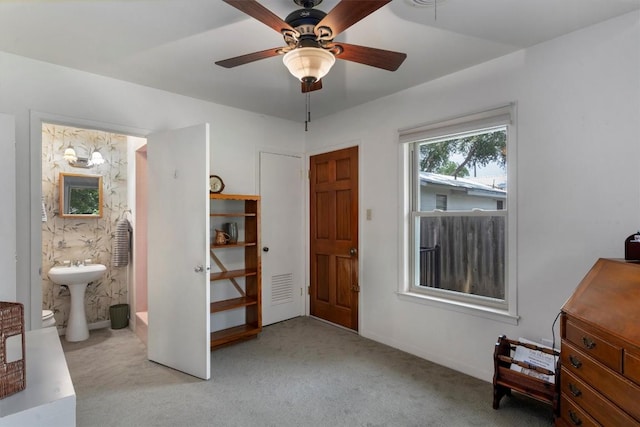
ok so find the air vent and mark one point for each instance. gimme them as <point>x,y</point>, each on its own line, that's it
<point>281,289</point>
<point>424,3</point>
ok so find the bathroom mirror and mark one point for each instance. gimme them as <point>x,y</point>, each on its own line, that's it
<point>80,195</point>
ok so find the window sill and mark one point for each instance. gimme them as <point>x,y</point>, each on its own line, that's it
<point>461,307</point>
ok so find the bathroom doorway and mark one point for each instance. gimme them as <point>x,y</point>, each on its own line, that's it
<point>88,239</point>
<point>140,305</point>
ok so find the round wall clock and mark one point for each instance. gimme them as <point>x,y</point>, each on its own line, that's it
<point>216,185</point>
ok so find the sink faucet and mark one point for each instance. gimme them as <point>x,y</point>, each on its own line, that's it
<point>77,262</point>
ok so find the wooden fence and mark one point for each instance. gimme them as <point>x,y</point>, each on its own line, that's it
<point>464,253</point>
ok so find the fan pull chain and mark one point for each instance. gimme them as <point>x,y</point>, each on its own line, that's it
<point>307,111</point>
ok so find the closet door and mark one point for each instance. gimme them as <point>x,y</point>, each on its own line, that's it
<point>178,250</point>
<point>281,190</point>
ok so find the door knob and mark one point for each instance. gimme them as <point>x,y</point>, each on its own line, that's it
<point>265,249</point>
<point>353,251</point>
<point>199,269</point>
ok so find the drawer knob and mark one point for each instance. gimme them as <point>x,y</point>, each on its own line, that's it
<point>588,343</point>
<point>575,419</point>
<point>574,390</point>
<point>575,362</point>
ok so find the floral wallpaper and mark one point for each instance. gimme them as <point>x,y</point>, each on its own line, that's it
<point>79,239</point>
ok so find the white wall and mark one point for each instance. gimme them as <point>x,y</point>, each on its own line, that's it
<point>27,85</point>
<point>8,217</point>
<point>578,182</point>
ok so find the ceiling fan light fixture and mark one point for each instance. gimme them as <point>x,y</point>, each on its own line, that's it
<point>309,64</point>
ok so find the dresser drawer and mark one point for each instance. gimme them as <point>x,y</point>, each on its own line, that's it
<point>601,409</point>
<point>619,390</point>
<point>632,365</point>
<point>594,344</point>
<point>572,415</point>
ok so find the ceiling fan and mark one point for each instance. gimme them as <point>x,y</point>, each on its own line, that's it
<point>309,34</point>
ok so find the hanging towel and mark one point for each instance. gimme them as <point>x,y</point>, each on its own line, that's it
<point>121,244</point>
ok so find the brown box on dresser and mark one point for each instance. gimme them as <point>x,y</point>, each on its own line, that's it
<point>600,350</point>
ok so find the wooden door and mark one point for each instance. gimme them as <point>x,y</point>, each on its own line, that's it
<point>333,227</point>
<point>283,295</point>
<point>178,250</point>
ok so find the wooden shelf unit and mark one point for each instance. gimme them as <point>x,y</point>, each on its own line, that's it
<point>230,274</point>
<point>234,334</point>
<point>245,209</point>
<point>231,304</point>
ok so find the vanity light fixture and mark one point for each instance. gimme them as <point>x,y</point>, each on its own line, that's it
<point>70,155</point>
<point>96,158</point>
<point>82,162</point>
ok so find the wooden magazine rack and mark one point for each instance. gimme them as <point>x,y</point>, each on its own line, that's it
<point>506,379</point>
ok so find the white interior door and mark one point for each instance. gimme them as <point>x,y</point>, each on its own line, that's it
<point>178,250</point>
<point>281,191</point>
<point>8,217</point>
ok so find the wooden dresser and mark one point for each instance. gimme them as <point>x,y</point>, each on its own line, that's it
<point>600,353</point>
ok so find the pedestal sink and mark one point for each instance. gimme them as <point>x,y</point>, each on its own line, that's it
<point>76,279</point>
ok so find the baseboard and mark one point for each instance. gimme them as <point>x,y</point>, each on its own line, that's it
<point>449,362</point>
<point>334,324</point>
<point>96,325</point>
<point>100,325</point>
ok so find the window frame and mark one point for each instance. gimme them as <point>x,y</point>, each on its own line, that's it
<point>504,311</point>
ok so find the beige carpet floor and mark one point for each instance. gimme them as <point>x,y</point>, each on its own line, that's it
<point>301,372</point>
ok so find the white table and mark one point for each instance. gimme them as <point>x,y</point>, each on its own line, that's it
<point>49,398</point>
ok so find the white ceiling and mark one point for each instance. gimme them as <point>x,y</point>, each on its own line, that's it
<point>173,44</point>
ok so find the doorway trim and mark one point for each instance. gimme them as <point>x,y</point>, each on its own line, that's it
<point>307,207</point>
<point>29,263</point>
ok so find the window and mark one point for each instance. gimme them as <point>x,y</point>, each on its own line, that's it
<point>441,202</point>
<point>458,216</point>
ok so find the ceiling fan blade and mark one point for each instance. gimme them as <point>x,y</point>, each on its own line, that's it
<point>306,87</point>
<point>250,57</point>
<point>261,13</point>
<point>380,58</point>
<point>348,12</point>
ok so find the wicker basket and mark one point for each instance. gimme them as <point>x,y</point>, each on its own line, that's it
<point>12,374</point>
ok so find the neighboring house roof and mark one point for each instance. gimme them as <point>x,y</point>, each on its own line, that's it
<point>470,186</point>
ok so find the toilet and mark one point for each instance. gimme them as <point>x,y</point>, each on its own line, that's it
<point>47,319</point>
